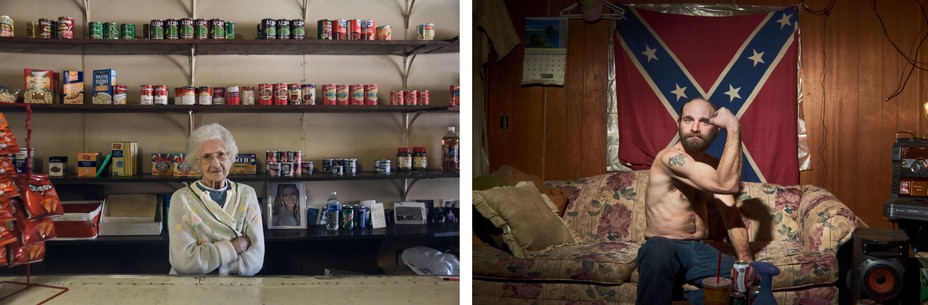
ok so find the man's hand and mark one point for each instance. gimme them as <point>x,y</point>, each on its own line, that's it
<point>241,244</point>
<point>725,119</point>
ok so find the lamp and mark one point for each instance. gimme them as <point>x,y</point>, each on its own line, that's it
<point>593,10</point>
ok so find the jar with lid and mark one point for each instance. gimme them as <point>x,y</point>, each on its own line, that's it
<point>403,159</point>
<point>420,159</point>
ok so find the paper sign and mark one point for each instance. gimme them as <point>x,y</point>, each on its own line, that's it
<point>377,216</point>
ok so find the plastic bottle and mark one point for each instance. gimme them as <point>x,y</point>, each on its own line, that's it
<point>450,152</point>
<point>332,210</point>
<point>766,272</point>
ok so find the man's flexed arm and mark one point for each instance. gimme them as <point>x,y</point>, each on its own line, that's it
<point>728,173</point>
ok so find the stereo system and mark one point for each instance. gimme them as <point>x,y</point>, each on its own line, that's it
<point>910,167</point>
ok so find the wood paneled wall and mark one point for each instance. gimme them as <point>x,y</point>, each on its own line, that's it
<point>849,68</point>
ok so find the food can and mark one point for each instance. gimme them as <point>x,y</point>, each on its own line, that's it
<point>110,30</point>
<point>54,27</point>
<point>156,29</point>
<point>57,166</point>
<point>740,278</point>
<point>425,31</point>
<point>348,214</point>
<point>273,169</point>
<point>340,29</point>
<point>201,29</point>
<point>233,96</point>
<point>66,28</point>
<point>281,94</point>
<point>306,168</point>
<point>356,93</point>
<point>286,169</point>
<point>368,30</point>
<point>327,165</point>
<point>283,29</point>
<point>145,34</point>
<point>354,29</point>
<point>205,95</point>
<point>94,30</point>
<point>265,94</point>
<point>160,94</point>
<point>412,98</point>
<point>171,29</point>
<point>309,94</point>
<point>127,31</point>
<point>324,29</point>
<point>217,29</point>
<point>230,30</point>
<point>186,28</point>
<point>119,95</point>
<point>455,99</point>
<point>341,95</point>
<point>45,28</point>
<point>22,159</point>
<point>146,95</point>
<point>32,29</point>
<point>329,94</point>
<point>298,28</point>
<point>219,95</point>
<point>382,166</point>
<point>6,26</point>
<point>397,98</point>
<point>384,33</point>
<point>248,95</point>
<point>295,94</point>
<point>270,28</point>
<point>370,94</point>
<point>190,95</point>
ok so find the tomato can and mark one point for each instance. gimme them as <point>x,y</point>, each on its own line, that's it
<point>283,29</point>
<point>119,94</point>
<point>412,97</point>
<point>368,30</point>
<point>384,33</point>
<point>295,94</point>
<point>233,96</point>
<point>281,94</point>
<point>298,28</point>
<point>340,29</point>
<point>324,29</point>
<point>309,94</point>
<point>160,93</point>
<point>354,29</point>
<point>201,29</point>
<point>330,96</point>
<point>356,94</point>
<point>423,97</point>
<point>265,94</point>
<point>455,99</point>
<point>6,26</point>
<point>217,29</point>
<point>341,95</point>
<point>185,95</point>
<point>156,29</point>
<point>248,95</point>
<point>171,29</point>
<point>66,28</point>
<point>370,94</point>
<point>146,94</point>
<point>205,95</point>
<point>219,95</point>
<point>397,97</point>
<point>186,28</point>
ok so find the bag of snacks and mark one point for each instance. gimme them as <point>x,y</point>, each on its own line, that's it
<point>30,231</point>
<point>8,143</point>
<point>8,190</point>
<point>7,236</point>
<point>26,254</point>
<point>39,196</point>
<point>7,168</point>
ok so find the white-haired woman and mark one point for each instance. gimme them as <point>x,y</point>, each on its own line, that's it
<point>214,224</point>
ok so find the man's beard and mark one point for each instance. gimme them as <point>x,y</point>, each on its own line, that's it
<point>691,144</point>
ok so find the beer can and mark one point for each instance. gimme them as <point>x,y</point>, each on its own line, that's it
<point>230,30</point>
<point>201,29</point>
<point>187,28</point>
<point>298,28</point>
<point>740,279</point>
<point>309,94</point>
<point>324,29</point>
<point>356,94</point>
<point>348,215</point>
<point>248,95</point>
<point>340,29</point>
<point>156,29</point>
<point>66,28</point>
<point>94,30</point>
<point>425,31</point>
<point>160,93</point>
<point>283,29</point>
<point>6,26</point>
<point>397,98</point>
<point>219,95</point>
<point>412,97</point>
<point>205,95</point>
<point>370,94</point>
<point>384,33</point>
<point>295,94</point>
<point>217,29</point>
<point>368,30</point>
<point>455,97</point>
<point>233,96</point>
<point>265,94</point>
<point>270,28</point>
<point>341,95</point>
<point>354,29</point>
<point>423,97</point>
<point>146,93</point>
<point>329,94</point>
<point>171,29</point>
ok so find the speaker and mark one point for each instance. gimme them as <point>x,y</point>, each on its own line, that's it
<point>877,267</point>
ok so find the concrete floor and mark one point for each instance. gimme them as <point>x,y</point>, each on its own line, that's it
<point>166,289</point>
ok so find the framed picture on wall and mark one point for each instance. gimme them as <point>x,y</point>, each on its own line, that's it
<point>286,208</point>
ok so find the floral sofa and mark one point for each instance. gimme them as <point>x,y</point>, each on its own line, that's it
<point>796,228</point>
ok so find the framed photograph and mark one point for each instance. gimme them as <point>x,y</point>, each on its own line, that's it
<point>286,205</point>
<point>409,212</point>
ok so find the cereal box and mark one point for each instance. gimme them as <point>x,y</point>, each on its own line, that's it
<point>73,87</point>
<point>103,83</point>
<point>39,86</point>
<point>245,164</point>
<point>87,164</point>
<point>162,164</point>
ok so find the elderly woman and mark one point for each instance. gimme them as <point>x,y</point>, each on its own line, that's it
<point>214,223</point>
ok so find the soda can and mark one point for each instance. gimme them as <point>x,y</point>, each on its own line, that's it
<point>354,29</point>
<point>230,30</point>
<point>233,96</point>
<point>340,29</point>
<point>740,280</point>
<point>356,93</point>
<point>171,29</point>
<point>324,29</point>
<point>186,30</point>
<point>298,28</point>
<point>348,215</point>
<point>265,94</point>
<point>94,30</point>
<point>219,95</point>
<point>66,28</point>
<point>248,95</point>
<point>270,28</point>
<point>370,94</point>
<point>412,98</point>
<point>309,94</point>
<point>201,29</point>
<point>423,97</point>
<point>6,26</point>
<point>384,33</point>
<point>160,93</point>
<point>425,31</point>
<point>283,29</point>
<point>341,95</point>
<point>147,96</point>
<point>330,96</point>
<point>217,29</point>
<point>455,99</point>
<point>205,95</point>
<point>397,97</point>
<point>295,94</point>
<point>363,215</point>
<point>368,30</point>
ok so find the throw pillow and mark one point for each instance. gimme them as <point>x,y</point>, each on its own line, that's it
<point>529,223</point>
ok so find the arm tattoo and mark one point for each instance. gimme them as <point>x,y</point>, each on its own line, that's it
<point>677,160</point>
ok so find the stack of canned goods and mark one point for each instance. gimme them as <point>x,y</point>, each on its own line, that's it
<point>110,30</point>
<point>340,166</point>
<point>189,28</point>
<point>45,28</point>
<point>455,97</point>
<point>286,94</point>
<point>360,94</point>
<point>425,31</point>
<point>409,97</point>
<point>270,28</point>
<point>153,95</point>
<point>354,216</point>
<point>284,163</point>
<point>352,29</point>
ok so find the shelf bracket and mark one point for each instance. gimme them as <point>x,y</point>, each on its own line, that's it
<point>407,125</point>
<point>404,187</point>
<point>193,64</point>
<point>407,67</point>
<point>86,10</point>
<point>305,10</point>
<point>407,11</point>
<point>193,9</point>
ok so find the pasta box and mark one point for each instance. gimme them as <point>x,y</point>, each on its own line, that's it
<point>81,220</point>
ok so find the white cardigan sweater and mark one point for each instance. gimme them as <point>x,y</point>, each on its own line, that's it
<point>201,232</point>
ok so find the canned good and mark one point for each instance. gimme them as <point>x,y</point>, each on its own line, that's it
<point>233,96</point>
<point>160,94</point>
<point>57,166</point>
<point>54,27</point>
<point>295,94</point>
<point>455,99</point>
<point>368,30</point>
<point>145,34</point>
<point>286,169</point>
<point>22,160</point>
<point>273,169</point>
<point>230,30</point>
<point>327,165</point>
<point>340,29</point>
<point>217,29</point>
<point>423,97</point>
<point>219,95</point>
<point>119,94</point>
<point>205,95</point>
<point>127,31</point>
<point>330,95</point>
<point>186,28</point>
<point>185,95</point>
<point>248,95</point>
<point>348,215</point>
<point>32,29</point>
<point>307,168</point>
<point>298,28</point>
<point>354,29</point>
<point>201,29</point>
<point>309,94</point>
<point>6,26</point>
<point>382,166</point>
<point>270,28</point>
<point>324,29</point>
<point>337,170</point>
<point>384,33</point>
<point>147,96</point>
<point>362,215</point>
<point>66,28</point>
<point>281,94</point>
<point>397,97</point>
<point>740,280</point>
<point>265,94</point>
<point>45,29</point>
<point>341,94</point>
<point>412,98</point>
<point>370,94</point>
<point>171,29</point>
<point>425,31</point>
<point>94,30</point>
<point>156,29</point>
<point>283,29</point>
<point>356,93</point>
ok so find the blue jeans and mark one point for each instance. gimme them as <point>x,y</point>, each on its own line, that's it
<point>665,264</point>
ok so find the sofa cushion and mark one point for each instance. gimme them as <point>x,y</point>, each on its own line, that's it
<point>606,207</point>
<point>595,262</point>
<point>529,223</point>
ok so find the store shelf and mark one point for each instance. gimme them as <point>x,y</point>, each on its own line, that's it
<point>228,47</point>
<point>430,174</point>
<point>60,108</point>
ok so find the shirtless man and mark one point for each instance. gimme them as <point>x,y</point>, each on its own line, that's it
<point>683,181</point>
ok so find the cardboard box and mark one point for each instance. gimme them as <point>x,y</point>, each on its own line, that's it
<point>181,168</point>
<point>124,159</point>
<point>131,214</point>
<point>103,83</point>
<point>245,164</point>
<point>39,86</point>
<point>162,164</point>
<point>87,164</point>
<point>81,220</point>
<point>72,84</point>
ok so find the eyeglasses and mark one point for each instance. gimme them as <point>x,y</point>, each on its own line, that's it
<point>208,158</point>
